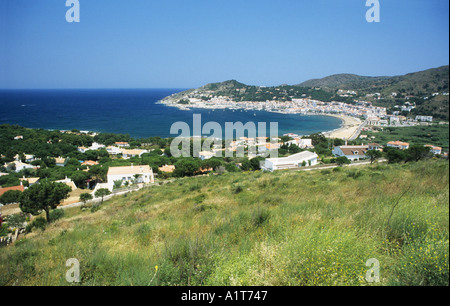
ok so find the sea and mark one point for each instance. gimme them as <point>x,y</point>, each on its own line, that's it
<point>134,112</point>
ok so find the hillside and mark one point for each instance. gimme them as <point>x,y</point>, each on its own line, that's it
<point>418,83</point>
<point>344,81</point>
<point>284,228</point>
<point>417,88</point>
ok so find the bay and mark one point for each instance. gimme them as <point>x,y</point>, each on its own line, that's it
<point>134,112</point>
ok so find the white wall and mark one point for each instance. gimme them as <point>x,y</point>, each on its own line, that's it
<point>145,178</point>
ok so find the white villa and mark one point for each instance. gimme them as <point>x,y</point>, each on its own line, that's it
<point>31,180</point>
<point>351,152</point>
<point>293,161</point>
<point>143,174</point>
<point>19,166</point>
<point>68,182</point>
<point>398,144</point>
<point>95,146</point>
<point>302,143</point>
<point>60,161</point>
<point>28,158</point>
<point>113,150</point>
<point>435,150</point>
<point>206,155</point>
<point>126,153</point>
<point>424,118</point>
<point>132,153</point>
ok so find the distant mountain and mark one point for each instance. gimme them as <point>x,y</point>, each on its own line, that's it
<point>428,90</point>
<point>340,80</point>
<point>417,83</point>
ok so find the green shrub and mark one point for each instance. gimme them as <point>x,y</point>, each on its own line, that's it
<point>143,234</point>
<point>195,187</point>
<point>260,216</point>
<point>199,199</point>
<point>16,221</point>
<point>237,189</point>
<point>56,214</point>
<point>4,230</point>
<point>95,207</point>
<point>39,223</point>
<point>355,174</point>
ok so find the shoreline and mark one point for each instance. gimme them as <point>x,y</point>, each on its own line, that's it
<point>350,126</point>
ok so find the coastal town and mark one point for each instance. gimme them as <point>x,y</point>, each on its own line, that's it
<point>355,116</point>
<point>295,106</point>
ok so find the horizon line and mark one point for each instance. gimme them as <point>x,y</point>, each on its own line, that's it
<point>96,88</point>
<point>232,79</point>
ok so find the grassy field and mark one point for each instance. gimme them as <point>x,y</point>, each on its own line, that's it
<point>284,228</point>
<point>437,135</point>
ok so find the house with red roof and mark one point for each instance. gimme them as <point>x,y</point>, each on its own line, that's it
<point>19,188</point>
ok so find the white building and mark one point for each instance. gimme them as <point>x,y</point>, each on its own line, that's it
<point>302,143</point>
<point>132,153</point>
<point>140,174</point>
<point>351,152</point>
<point>305,143</point>
<point>95,146</point>
<point>398,144</point>
<point>424,118</point>
<point>113,150</point>
<point>19,166</point>
<point>60,161</point>
<point>27,157</point>
<point>206,155</point>
<point>375,146</point>
<point>30,180</point>
<point>435,150</point>
<point>68,182</point>
<point>293,161</point>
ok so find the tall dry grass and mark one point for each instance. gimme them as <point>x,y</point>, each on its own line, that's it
<point>284,228</point>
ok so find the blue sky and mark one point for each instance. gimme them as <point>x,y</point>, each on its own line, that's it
<point>184,44</point>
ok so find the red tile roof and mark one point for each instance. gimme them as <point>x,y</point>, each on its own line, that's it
<point>89,163</point>
<point>3,190</point>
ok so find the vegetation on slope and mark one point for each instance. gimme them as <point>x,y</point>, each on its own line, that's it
<point>417,88</point>
<point>437,135</point>
<point>417,83</point>
<point>283,228</point>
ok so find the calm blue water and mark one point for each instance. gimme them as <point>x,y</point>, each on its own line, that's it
<point>131,111</point>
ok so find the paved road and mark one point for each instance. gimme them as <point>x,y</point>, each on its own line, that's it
<point>358,131</point>
<point>331,166</point>
<point>96,200</point>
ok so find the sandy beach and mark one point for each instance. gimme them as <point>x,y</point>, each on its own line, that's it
<point>350,126</point>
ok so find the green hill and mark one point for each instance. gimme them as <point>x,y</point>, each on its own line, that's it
<point>418,88</point>
<point>344,81</point>
<point>283,228</point>
<point>418,83</point>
